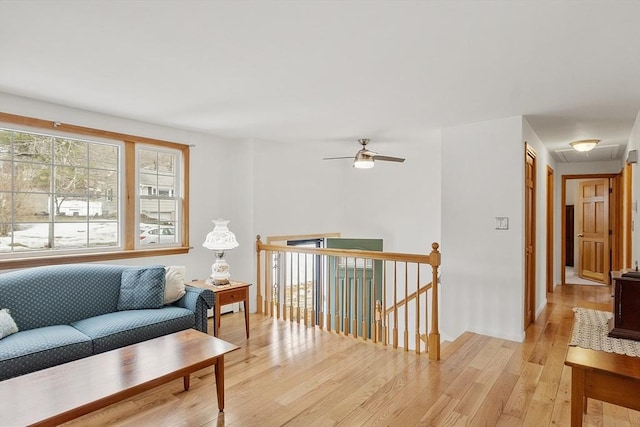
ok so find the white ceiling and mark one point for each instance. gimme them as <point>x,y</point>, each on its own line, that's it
<point>310,71</point>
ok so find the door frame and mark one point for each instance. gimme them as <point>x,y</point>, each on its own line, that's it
<point>614,209</point>
<point>550,227</point>
<point>530,263</point>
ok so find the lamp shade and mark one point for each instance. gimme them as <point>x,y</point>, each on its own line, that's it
<point>584,144</point>
<point>363,161</point>
<point>220,239</point>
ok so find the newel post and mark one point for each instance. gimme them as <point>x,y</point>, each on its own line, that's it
<point>258,286</point>
<point>434,335</point>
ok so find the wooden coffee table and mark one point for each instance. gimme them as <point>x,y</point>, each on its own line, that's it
<point>64,392</point>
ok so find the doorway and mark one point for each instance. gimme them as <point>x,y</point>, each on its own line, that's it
<point>587,233</point>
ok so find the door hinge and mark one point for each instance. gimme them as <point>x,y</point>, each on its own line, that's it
<point>610,190</point>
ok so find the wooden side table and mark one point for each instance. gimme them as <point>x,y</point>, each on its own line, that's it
<point>610,377</point>
<point>227,294</point>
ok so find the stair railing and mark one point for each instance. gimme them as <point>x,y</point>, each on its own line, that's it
<point>368,295</point>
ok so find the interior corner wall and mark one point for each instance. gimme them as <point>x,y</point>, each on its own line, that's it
<point>543,159</point>
<point>220,182</point>
<point>482,287</point>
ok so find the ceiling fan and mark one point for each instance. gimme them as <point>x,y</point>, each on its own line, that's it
<point>364,158</point>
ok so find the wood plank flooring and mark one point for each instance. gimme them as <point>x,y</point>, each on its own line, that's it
<point>292,375</point>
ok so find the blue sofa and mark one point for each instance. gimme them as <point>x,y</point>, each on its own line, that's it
<point>67,312</point>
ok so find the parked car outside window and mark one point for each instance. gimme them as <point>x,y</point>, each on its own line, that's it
<point>161,235</point>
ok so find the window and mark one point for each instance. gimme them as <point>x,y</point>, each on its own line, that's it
<point>86,193</point>
<point>54,193</point>
<point>158,173</point>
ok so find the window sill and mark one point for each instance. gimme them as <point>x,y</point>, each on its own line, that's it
<point>14,263</point>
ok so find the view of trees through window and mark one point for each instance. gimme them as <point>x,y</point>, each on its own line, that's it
<point>57,192</point>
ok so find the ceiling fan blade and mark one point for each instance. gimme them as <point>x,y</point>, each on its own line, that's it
<point>336,158</point>
<point>368,152</point>
<point>388,158</point>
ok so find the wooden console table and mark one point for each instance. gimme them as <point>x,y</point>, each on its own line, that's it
<point>609,377</point>
<point>227,294</point>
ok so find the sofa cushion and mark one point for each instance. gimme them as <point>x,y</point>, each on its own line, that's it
<point>35,349</point>
<point>114,330</point>
<point>60,294</point>
<point>142,288</point>
<point>174,287</point>
<point>7,325</point>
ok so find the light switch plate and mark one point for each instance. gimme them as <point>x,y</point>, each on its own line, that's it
<point>502,223</point>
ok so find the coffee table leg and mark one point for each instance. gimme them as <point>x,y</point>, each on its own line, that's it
<point>219,369</point>
<point>187,381</point>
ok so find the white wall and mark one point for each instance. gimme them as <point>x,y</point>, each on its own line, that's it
<point>483,268</point>
<point>584,168</point>
<point>296,192</point>
<point>220,182</point>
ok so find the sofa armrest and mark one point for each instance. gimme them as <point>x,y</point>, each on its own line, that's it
<point>199,301</point>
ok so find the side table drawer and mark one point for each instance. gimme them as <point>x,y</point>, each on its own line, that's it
<point>231,296</point>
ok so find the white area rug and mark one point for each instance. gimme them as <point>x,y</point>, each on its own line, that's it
<point>590,330</point>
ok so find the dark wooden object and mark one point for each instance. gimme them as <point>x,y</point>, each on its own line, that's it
<point>626,308</point>
<point>569,236</point>
<point>55,395</point>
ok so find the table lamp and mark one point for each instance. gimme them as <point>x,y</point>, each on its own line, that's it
<point>220,240</point>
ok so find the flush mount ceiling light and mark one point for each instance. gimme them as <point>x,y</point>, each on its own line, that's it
<point>584,144</point>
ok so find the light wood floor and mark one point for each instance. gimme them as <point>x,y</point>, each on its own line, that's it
<point>296,376</point>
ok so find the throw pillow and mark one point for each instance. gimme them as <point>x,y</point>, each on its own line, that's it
<point>141,288</point>
<point>174,283</point>
<point>7,324</point>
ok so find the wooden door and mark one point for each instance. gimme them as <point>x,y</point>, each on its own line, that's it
<point>530,238</point>
<point>593,230</point>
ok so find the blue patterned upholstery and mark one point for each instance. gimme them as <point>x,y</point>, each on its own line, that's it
<point>40,348</point>
<point>141,288</point>
<point>114,330</point>
<point>199,301</point>
<point>66,312</point>
<point>60,294</point>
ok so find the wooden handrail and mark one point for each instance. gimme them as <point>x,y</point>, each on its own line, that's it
<point>432,258</point>
<point>409,298</point>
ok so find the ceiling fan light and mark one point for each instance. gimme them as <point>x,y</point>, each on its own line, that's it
<point>584,144</point>
<point>363,163</point>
